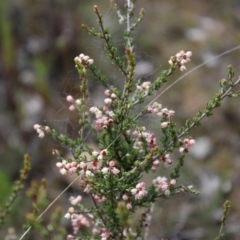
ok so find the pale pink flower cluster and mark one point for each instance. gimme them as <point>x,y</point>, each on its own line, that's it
<point>70,237</point>
<point>97,198</point>
<point>75,102</point>
<point>75,200</point>
<point>141,134</point>
<point>143,87</point>
<point>166,159</point>
<point>180,59</point>
<point>41,130</point>
<point>105,234</point>
<point>164,113</point>
<point>155,165</point>
<point>154,108</point>
<point>78,221</point>
<point>110,97</point>
<point>139,191</point>
<point>128,205</point>
<point>83,60</point>
<point>111,169</point>
<point>162,184</point>
<point>188,142</point>
<point>104,118</point>
<point>100,155</point>
<point>146,218</point>
<point>74,167</point>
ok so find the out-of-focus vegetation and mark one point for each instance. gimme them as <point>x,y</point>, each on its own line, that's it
<point>38,41</point>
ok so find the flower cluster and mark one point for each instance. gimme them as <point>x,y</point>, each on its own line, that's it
<point>161,184</point>
<point>75,200</point>
<point>78,220</point>
<point>188,142</point>
<point>180,60</point>
<point>126,198</point>
<point>98,163</point>
<point>105,234</point>
<point>139,191</point>
<point>146,218</point>
<point>41,130</point>
<point>74,167</point>
<point>163,113</point>
<point>111,169</point>
<point>165,158</point>
<point>104,118</point>
<point>75,102</point>
<point>143,136</point>
<point>143,88</point>
<point>110,97</point>
<point>83,60</point>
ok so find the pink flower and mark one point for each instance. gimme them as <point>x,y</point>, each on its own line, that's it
<point>112,163</point>
<point>79,221</point>
<point>70,237</point>
<point>70,99</point>
<point>140,191</point>
<point>188,142</point>
<point>183,68</point>
<point>72,108</point>
<point>107,92</point>
<point>110,169</point>
<point>164,124</point>
<point>173,182</point>
<point>125,197</point>
<point>105,234</point>
<point>181,149</point>
<point>180,59</point>
<point>129,206</point>
<point>161,183</point>
<point>103,152</point>
<point>36,126</point>
<point>115,171</point>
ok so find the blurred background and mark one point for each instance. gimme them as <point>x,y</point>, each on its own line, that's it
<point>38,42</point>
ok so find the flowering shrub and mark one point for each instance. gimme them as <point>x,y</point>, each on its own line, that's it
<point>112,176</point>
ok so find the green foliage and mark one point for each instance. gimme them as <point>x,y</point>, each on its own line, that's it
<point>18,185</point>
<point>5,186</point>
<point>226,209</point>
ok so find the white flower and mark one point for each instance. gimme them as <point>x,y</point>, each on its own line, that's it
<point>67,215</point>
<point>76,200</point>
<point>105,170</point>
<point>90,61</point>
<point>59,165</point>
<point>63,171</point>
<point>89,174</point>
